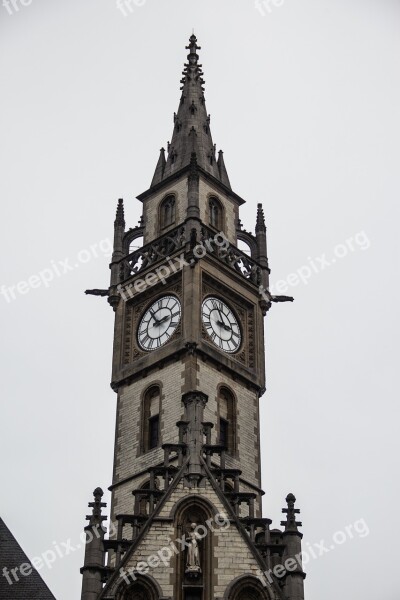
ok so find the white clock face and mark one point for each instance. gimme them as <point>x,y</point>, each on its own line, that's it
<point>221,324</point>
<point>159,322</point>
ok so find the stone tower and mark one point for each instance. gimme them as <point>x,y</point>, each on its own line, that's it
<point>188,371</point>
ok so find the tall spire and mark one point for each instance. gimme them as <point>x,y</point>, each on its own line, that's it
<point>191,133</point>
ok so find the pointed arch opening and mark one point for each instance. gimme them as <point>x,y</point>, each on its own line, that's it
<point>227,419</point>
<point>145,588</point>
<point>247,587</point>
<point>193,568</point>
<point>143,501</point>
<point>215,211</point>
<point>150,419</point>
<point>167,211</point>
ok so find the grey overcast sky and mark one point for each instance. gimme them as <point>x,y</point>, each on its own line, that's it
<point>304,97</point>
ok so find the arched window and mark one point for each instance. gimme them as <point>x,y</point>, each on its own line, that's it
<point>135,244</point>
<point>246,588</point>
<point>244,247</point>
<point>151,418</point>
<point>137,592</point>
<point>249,594</point>
<point>145,588</point>
<point>167,211</point>
<point>227,419</point>
<point>215,211</point>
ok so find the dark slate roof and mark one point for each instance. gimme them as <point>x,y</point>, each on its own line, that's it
<point>30,587</point>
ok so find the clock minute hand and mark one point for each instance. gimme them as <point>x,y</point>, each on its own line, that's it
<point>221,317</point>
<point>164,319</point>
<point>226,327</point>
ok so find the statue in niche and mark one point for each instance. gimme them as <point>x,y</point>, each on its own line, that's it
<point>193,552</point>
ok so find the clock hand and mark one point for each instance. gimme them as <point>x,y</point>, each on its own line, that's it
<point>157,322</point>
<point>221,322</point>
<point>226,327</point>
<point>164,319</point>
<point>220,315</point>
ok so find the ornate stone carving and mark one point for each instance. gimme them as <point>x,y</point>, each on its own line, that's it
<point>193,554</point>
<point>233,257</point>
<point>151,253</point>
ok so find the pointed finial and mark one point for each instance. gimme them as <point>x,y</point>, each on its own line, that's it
<point>160,168</point>
<point>119,218</point>
<point>193,57</point>
<point>291,524</point>
<point>223,173</point>
<point>96,517</point>
<point>260,224</point>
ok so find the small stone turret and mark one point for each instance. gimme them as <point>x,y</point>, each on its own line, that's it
<point>160,168</point>
<point>294,578</point>
<point>118,252</point>
<point>93,569</point>
<point>261,237</point>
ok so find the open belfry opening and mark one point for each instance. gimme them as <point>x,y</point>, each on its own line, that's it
<point>189,372</point>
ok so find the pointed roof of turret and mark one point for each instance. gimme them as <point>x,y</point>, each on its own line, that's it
<point>260,223</point>
<point>119,216</point>
<point>191,133</point>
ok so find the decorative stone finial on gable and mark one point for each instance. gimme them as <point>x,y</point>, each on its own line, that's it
<point>119,217</point>
<point>96,517</point>
<point>260,224</point>
<point>291,524</point>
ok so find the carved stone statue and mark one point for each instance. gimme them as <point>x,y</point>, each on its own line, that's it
<point>193,553</point>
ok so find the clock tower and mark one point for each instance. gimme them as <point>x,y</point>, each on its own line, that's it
<point>188,372</point>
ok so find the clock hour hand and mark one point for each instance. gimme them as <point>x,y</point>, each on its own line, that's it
<point>226,327</point>
<point>157,322</point>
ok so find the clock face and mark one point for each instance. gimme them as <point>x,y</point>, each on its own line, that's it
<point>221,324</point>
<point>159,322</point>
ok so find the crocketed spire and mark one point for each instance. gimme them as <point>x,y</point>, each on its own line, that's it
<point>260,223</point>
<point>191,133</point>
<point>119,217</point>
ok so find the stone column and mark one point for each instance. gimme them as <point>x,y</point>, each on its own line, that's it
<point>194,407</point>
<point>92,571</point>
<point>294,577</point>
